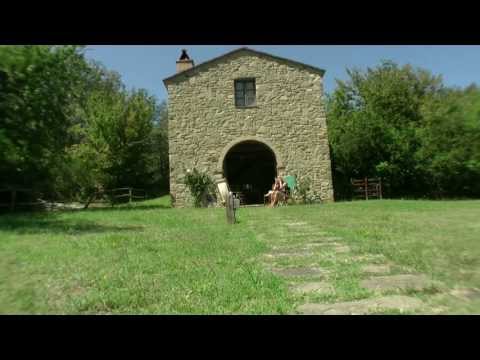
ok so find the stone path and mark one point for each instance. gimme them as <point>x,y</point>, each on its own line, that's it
<point>312,282</point>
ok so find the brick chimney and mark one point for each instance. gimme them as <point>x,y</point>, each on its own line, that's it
<point>184,63</point>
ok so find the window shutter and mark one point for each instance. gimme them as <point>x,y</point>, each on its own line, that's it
<point>245,92</point>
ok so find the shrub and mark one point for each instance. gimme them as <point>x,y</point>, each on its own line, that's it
<point>303,188</point>
<point>200,185</point>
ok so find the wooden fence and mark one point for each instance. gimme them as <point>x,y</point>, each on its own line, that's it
<point>115,196</point>
<point>13,199</point>
<point>367,188</point>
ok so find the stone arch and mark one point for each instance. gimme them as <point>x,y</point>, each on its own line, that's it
<point>230,145</point>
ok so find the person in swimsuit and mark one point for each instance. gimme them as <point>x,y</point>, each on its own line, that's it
<point>278,191</point>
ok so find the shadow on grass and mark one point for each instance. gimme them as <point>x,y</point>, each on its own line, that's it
<point>49,223</point>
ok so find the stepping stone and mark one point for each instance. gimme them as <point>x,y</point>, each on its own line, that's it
<point>368,257</point>
<point>328,239</point>
<point>296,224</point>
<point>466,293</point>
<point>284,250</point>
<point>296,234</point>
<point>321,244</point>
<point>394,282</point>
<point>342,249</point>
<point>294,252</point>
<point>376,269</point>
<point>320,287</point>
<point>362,307</point>
<point>300,271</point>
<point>324,241</point>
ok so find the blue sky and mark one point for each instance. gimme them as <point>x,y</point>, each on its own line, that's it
<point>146,66</point>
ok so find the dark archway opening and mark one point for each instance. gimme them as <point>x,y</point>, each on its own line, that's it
<point>250,168</point>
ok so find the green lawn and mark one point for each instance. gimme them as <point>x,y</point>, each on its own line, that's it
<point>150,258</point>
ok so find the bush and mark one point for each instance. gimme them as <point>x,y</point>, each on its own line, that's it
<point>200,185</point>
<point>302,189</point>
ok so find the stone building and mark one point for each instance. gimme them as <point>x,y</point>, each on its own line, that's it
<point>247,116</point>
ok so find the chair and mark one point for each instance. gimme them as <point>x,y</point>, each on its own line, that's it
<point>291,183</point>
<point>223,190</point>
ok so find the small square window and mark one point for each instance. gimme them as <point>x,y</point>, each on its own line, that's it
<point>245,94</point>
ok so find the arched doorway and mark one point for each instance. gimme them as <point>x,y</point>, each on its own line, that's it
<point>250,168</point>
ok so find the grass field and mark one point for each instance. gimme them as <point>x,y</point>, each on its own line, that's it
<point>149,258</point>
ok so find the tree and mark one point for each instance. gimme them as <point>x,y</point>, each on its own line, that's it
<point>38,84</point>
<point>449,152</point>
<point>158,155</point>
<point>115,136</point>
<point>402,124</point>
<point>68,126</point>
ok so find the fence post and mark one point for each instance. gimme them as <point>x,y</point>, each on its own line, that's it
<point>13,200</point>
<point>130,195</point>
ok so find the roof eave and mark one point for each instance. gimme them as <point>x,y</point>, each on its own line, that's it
<point>310,67</point>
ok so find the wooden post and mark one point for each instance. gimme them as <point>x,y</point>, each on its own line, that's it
<point>366,189</point>
<point>380,187</point>
<point>229,208</point>
<point>13,198</point>
<point>130,195</point>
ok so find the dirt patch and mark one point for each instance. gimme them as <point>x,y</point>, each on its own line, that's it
<point>361,307</point>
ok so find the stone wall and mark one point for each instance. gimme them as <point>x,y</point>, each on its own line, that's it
<point>289,116</point>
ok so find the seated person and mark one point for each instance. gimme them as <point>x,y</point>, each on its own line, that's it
<point>278,191</point>
<point>270,192</point>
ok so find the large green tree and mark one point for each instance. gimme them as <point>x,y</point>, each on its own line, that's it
<point>117,136</point>
<point>449,138</point>
<point>69,126</point>
<point>38,85</point>
<point>402,124</point>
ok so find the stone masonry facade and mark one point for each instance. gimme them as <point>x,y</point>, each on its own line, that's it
<point>289,117</point>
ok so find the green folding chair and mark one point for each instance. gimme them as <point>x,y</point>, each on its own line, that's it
<point>292,183</point>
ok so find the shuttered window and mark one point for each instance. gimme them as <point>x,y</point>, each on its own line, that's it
<point>245,92</point>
